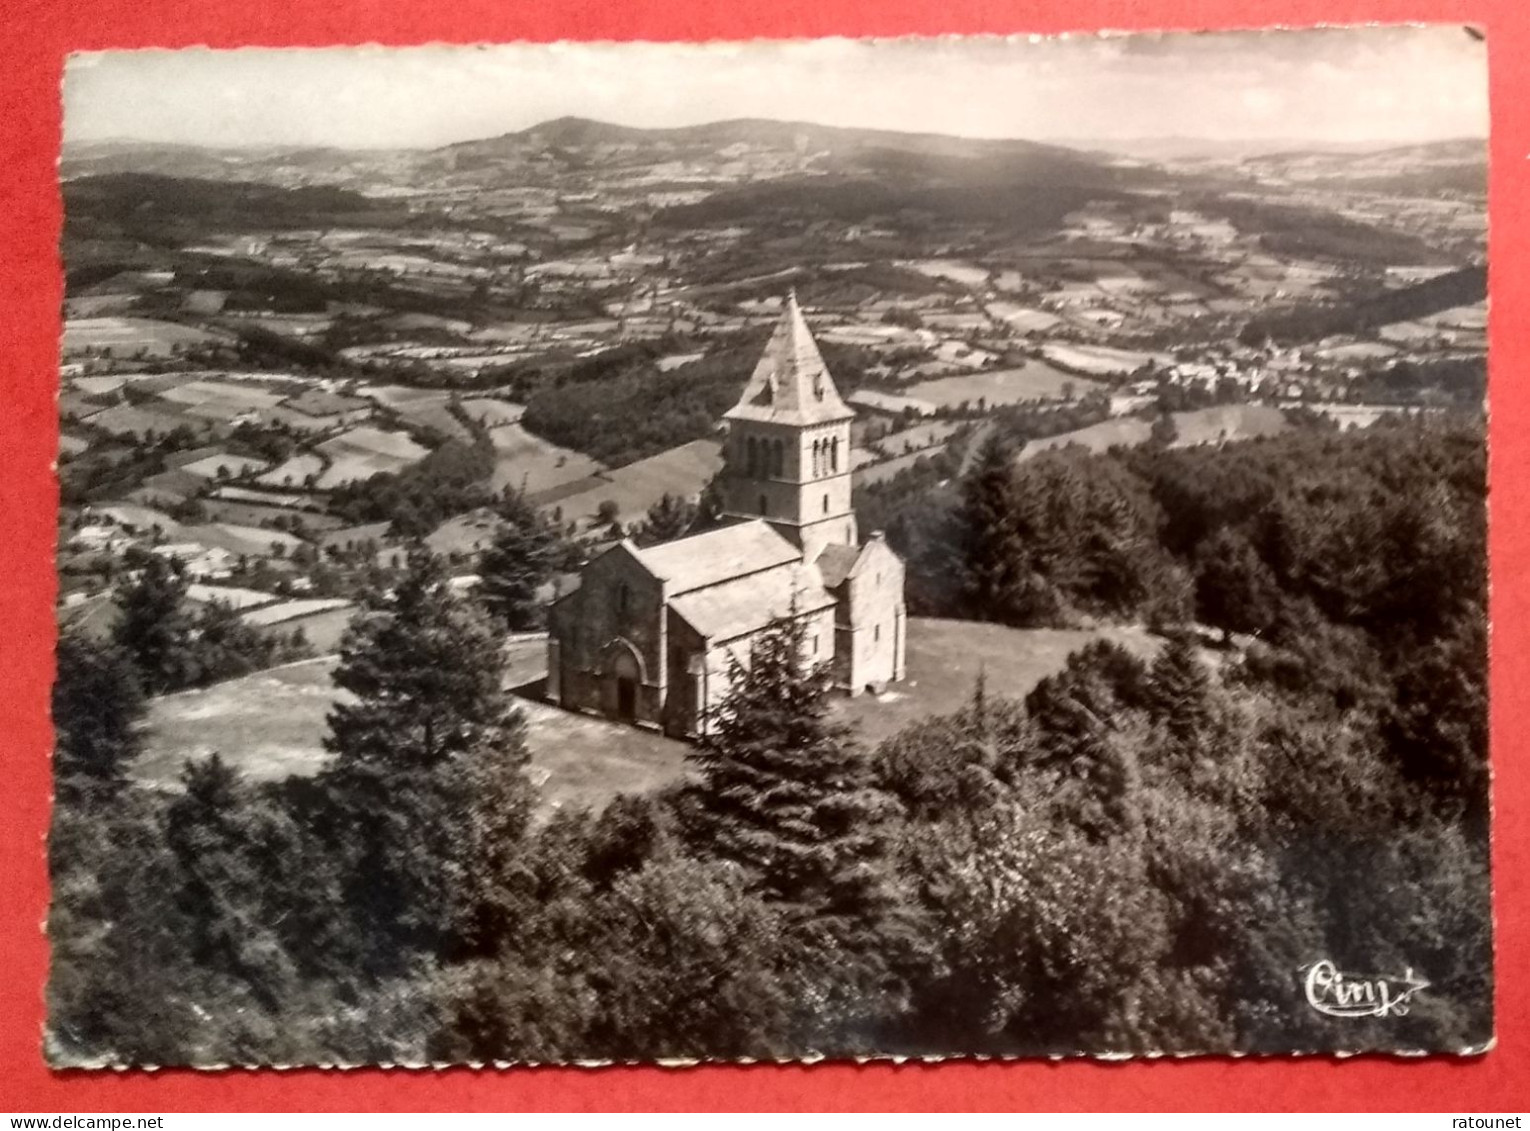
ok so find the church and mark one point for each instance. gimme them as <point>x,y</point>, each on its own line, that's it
<point>648,634</point>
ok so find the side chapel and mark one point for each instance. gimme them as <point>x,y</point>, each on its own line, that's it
<point>648,633</point>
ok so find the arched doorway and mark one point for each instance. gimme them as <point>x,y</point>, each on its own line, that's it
<point>628,676</point>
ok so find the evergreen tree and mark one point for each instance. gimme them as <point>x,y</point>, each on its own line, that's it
<point>152,626</point>
<point>429,769</point>
<point>785,793</point>
<point>1234,589</point>
<point>996,573</point>
<point>1179,690</point>
<point>517,563</point>
<point>97,702</point>
<point>211,832</point>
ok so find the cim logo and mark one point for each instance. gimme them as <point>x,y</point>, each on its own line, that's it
<point>1360,995</point>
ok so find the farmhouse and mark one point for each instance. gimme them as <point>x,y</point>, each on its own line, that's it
<point>650,635</point>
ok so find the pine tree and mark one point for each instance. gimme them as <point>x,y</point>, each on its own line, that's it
<point>784,792</point>
<point>1234,589</point>
<point>1179,690</point>
<point>517,563</point>
<point>152,626</point>
<point>97,702</point>
<point>429,768</point>
<point>995,555</point>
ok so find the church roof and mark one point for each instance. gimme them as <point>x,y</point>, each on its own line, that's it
<point>717,556</point>
<point>747,604</point>
<point>836,562</point>
<point>791,384</point>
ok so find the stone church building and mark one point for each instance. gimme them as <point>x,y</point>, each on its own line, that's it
<point>648,634</point>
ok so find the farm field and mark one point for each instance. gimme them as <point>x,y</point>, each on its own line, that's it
<point>363,452</point>
<point>682,471</point>
<point>291,610</point>
<point>254,541</point>
<point>1100,361</point>
<point>1358,351</point>
<point>1127,431</point>
<point>293,472</point>
<point>224,466</point>
<point>1034,381</point>
<point>435,415</point>
<point>397,396</point>
<point>130,420</point>
<point>1228,422</point>
<point>465,534</point>
<point>316,402</point>
<point>232,596</point>
<point>919,437</point>
<point>243,513</point>
<point>127,336</point>
<point>217,400</point>
<point>493,412</point>
<point>877,472</point>
<point>526,462</point>
<point>1202,426</point>
<point>953,270</point>
<point>1023,318</point>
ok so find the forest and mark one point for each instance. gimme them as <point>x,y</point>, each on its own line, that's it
<point>1140,856</point>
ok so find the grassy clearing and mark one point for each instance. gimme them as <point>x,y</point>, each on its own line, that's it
<point>946,656</point>
<point>272,724</point>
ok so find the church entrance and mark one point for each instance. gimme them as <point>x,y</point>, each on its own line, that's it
<point>627,675</point>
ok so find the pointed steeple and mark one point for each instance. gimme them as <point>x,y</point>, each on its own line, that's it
<point>791,384</point>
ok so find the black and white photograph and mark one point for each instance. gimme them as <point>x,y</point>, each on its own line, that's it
<point>770,551</point>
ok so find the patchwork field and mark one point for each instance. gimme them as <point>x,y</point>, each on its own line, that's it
<point>363,452</point>
<point>221,401</point>
<point>1034,381</point>
<point>526,462</point>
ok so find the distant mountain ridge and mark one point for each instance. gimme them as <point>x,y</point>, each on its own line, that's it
<point>576,132</point>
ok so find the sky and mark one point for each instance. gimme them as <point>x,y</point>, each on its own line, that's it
<point>1338,86</point>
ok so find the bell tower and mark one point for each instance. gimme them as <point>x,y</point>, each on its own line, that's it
<point>788,448</point>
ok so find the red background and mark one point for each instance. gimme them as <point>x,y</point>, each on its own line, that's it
<point>37,36</point>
